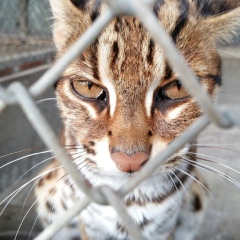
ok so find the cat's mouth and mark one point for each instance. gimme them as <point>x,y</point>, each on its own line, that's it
<point>130,163</point>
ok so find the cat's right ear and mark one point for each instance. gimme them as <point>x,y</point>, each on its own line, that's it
<point>69,21</point>
<point>224,27</point>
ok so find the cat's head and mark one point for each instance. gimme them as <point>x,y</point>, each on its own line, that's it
<point>120,100</point>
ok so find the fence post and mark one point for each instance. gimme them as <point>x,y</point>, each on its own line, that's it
<point>23,19</point>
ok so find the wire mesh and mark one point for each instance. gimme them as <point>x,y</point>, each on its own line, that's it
<point>25,35</point>
<point>18,94</point>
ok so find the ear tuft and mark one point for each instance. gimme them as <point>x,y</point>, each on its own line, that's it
<point>79,3</point>
<point>224,27</point>
<point>69,19</point>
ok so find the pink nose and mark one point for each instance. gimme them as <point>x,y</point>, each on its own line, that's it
<point>126,163</point>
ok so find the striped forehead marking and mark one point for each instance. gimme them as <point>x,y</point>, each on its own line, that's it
<point>149,97</point>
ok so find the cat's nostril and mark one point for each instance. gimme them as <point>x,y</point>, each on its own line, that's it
<point>150,133</point>
<point>126,163</point>
<point>109,133</point>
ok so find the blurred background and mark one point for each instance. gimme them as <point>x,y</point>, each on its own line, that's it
<point>26,52</point>
<point>25,35</point>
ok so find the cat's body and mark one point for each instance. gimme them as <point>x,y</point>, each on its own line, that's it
<point>121,105</point>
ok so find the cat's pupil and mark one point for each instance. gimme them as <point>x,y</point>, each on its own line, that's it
<point>89,85</point>
<point>179,85</point>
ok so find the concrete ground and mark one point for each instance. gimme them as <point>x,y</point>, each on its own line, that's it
<point>222,220</point>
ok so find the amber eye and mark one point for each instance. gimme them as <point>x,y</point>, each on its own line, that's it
<point>172,91</point>
<point>87,89</point>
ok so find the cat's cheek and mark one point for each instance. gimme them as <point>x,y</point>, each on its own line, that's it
<point>174,121</point>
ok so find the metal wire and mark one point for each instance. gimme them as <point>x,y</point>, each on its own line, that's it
<point>18,94</point>
<point>63,220</point>
<point>51,76</point>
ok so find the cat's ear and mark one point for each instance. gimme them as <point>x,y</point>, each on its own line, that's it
<point>224,27</point>
<point>69,20</point>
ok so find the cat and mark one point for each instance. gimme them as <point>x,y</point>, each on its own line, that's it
<point>121,105</point>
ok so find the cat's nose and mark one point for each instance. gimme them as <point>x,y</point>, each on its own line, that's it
<point>129,163</point>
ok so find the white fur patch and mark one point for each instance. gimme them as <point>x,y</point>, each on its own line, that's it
<point>112,94</point>
<point>157,76</point>
<point>149,97</point>
<point>174,113</point>
<point>158,147</point>
<point>91,110</point>
<point>104,75</point>
<point>103,157</point>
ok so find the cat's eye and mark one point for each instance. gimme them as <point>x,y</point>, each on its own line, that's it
<point>89,90</point>
<point>172,91</point>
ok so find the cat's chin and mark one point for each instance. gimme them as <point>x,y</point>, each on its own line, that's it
<point>114,178</point>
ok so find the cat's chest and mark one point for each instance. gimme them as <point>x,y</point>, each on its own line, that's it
<point>154,220</point>
<point>155,213</point>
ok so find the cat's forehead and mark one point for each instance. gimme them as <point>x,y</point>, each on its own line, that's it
<point>125,53</point>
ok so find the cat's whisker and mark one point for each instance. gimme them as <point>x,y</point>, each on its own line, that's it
<point>22,177</point>
<point>33,204</point>
<point>23,186</point>
<point>83,161</point>
<point>36,165</point>
<point>36,181</point>
<point>77,154</point>
<point>29,192</point>
<point>184,188</point>
<point>229,53</point>
<point>29,155</point>
<point>32,228</point>
<point>229,95</point>
<point>218,147</point>
<point>44,100</point>
<point>197,181</point>
<point>21,151</point>
<point>11,196</point>
<point>195,164</point>
<point>170,180</point>
<point>212,145</point>
<point>73,145</point>
<point>36,103</point>
<point>211,159</point>
<point>168,176</point>
<point>217,171</point>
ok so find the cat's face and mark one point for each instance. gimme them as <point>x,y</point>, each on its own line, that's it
<point>120,101</point>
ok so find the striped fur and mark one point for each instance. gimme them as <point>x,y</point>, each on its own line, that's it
<point>141,108</point>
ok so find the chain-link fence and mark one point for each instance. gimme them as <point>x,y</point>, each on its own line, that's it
<point>16,93</point>
<point>25,35</point>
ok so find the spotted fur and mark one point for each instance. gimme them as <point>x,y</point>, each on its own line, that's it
<point>133,116</point>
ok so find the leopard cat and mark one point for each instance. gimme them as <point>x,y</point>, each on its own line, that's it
<point>121,105</point>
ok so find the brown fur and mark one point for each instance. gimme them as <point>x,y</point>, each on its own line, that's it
<point>126,63</point>
<point>136,75</point>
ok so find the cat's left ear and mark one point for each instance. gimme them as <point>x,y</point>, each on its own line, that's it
<point>70,21</point>
<point>224,27</point>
